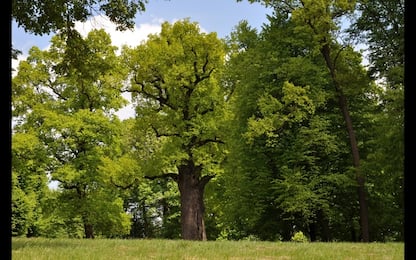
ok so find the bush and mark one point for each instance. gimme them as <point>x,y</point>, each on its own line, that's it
<point>299,237</point>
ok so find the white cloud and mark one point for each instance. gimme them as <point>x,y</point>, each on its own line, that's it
<point>119,38</point>
<point>131,38</point>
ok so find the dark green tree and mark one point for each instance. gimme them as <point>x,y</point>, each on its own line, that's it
<point>274,133</point>
<point>48,16</point>
<point>380,26</point>
<point>322,20</point>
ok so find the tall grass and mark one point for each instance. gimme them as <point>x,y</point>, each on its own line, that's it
<point>119,249</point>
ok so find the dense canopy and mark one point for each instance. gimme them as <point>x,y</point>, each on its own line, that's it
<point>260,135</point>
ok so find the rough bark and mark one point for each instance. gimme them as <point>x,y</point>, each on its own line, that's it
<point>191,187</point>
<point>343,104</point>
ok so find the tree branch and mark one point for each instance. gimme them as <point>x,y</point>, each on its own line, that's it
<point>204,180</point>
<point>162,98</point>
<point>158,134</point>
<point>124,187</point>
<point>205,141</point>
<point>55,91</point>
<point>172,175</point>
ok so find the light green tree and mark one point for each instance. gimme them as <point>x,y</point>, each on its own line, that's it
<point>175,80</point>
<point>29,183</point>
<point>66,96</point>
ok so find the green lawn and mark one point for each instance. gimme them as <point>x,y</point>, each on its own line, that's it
<point>118,249</point>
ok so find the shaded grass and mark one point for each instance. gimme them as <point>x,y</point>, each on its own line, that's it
<point>118,249</point>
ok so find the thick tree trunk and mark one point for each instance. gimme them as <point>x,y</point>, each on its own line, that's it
<point>353,143</point>
<point>191,188</point>
<point>89,231</point>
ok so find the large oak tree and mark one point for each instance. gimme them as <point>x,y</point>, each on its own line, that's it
<point>179,100</point>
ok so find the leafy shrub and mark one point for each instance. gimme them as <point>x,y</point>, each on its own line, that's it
<point>299,237</point>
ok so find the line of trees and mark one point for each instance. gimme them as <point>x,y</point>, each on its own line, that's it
<point>257,135</point>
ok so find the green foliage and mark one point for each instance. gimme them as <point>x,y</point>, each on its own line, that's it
<point>257,112</point>
<point>71,115</point>
<point>181,105</point>
<point>299,237</point>
<point>22,207</point>
<point>176,79</point>
<point>294,107</point>
<point>155,209</point>
<point>306,158</point>
<point>381,27</point>
<point>53,223</point>
<point>384,163</point>
<point>44,17</point>
<point>29,164</point>
<point>251,238</point>
<point>322,20</point>
<point>281,130</point>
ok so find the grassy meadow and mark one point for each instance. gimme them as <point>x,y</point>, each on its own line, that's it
<point>119,249</point>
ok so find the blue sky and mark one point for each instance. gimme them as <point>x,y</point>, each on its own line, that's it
<point>220,16</point>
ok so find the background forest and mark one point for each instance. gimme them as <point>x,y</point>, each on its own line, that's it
<point>255,136</point>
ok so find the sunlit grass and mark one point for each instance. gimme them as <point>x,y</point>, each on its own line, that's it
<point>117,249</point>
